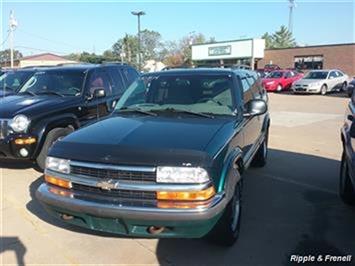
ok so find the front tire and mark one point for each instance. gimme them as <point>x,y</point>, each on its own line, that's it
<point>346,189</point>
<point>279,88</point>
<point>53,136</point>
<point>323,90</point>
<point>260,157</point>
<point>226,231</point>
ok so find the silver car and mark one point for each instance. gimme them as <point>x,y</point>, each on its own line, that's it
<point>321,81</point>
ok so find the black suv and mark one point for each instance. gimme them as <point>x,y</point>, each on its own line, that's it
<point>56,101</point>
<point>169,160</point>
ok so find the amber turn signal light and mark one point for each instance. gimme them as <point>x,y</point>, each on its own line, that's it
<point>57,181</point>
<point>25,141</point>
<point>186,195</point>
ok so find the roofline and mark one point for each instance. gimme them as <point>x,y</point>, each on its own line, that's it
<point>238,40</point>
<point>312,46</point>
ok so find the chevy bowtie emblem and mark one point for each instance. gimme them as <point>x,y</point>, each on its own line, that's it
<point>107,184</point>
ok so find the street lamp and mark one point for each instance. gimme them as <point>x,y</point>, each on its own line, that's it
<point>139,14</point>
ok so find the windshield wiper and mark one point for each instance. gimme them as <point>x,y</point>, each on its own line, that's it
<point>28,92</point>
<point>137,110</point>
<point>186,112</point>
<point>51,92</point>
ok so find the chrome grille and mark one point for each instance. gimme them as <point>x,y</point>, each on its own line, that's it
<point>115,174</point>
<point>3,128</point>
<point>117,193</point>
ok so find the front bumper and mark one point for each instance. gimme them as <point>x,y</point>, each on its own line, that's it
<point>10,150</point>
<point>271,87</point>
<point>306,89</point>
<point>129,220</point>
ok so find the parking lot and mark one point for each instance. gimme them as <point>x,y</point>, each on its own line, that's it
<point>291,206</point>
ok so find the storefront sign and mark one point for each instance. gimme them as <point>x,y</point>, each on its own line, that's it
<point>220,50</point>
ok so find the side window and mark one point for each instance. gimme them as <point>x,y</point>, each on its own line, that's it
<point>340,74</point>
<point>100,79</point>
<point>118,84</point>
<point>332,74</point>
<point>248,95</point>
<point>130,74</point>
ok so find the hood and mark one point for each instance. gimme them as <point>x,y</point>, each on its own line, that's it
<point>22,104</point>
<point>4,93</point>
<point>309,81</point>
<point>142,140</point>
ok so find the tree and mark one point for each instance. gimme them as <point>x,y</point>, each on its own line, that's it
<point>6,57</point>
<point>280,39</point>
<point>268,40</point>
<point>151,47</point>
<point>185,45</point>
<point>283,38</point>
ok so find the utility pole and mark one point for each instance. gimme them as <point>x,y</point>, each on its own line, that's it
<point>139,14</point>
<point>292,5</point>
<point>12,27</point>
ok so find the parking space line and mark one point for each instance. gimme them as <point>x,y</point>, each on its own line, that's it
<point>281,179</point>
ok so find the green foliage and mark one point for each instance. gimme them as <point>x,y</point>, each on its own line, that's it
<point>5,55</point>
<point>280,39</point>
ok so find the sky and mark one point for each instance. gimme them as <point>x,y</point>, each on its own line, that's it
<point>65,26</point>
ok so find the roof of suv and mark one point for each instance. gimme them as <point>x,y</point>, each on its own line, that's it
<point>187,71</point>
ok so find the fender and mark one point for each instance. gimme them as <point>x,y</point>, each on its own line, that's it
<point>44,126</point>
<point>266,123</point>
<point>229,176</point>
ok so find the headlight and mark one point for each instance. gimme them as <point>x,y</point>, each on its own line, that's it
<point>181,175</point>
<point>20,123</point>
<point>314,84</point>
<point>58,165</point>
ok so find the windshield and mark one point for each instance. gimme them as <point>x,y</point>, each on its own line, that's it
<point>275,75</point>
<point>66,83</point>
<point>209,94</point>
<point>13,80</point>
<point>316,75</point>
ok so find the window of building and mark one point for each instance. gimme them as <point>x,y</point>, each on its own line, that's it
<point>309,62</point>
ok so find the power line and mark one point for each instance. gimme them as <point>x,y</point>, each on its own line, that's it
<point>6,38</point>
<point>41,50</point>
<point>49,40</point>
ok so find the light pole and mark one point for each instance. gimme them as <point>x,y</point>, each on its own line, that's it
<point>139,14</point>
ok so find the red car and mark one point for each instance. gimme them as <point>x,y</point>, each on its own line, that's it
<point>280,80</point>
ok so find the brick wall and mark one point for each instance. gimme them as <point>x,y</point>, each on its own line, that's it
<point>335,56</point>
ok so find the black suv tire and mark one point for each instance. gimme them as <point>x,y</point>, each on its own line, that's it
<point>226,231</point>
<point>346,190</point>
<point>260,157</point>
<point>51,138</point>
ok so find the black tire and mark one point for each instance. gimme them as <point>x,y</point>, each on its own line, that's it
<point>323,90</point>
<point>343,87</point>
<point>51,138</point>
<point>226,231</point>
<point>346,189</point>
<point>260,158</point>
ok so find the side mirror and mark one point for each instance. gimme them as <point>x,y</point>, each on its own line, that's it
<point>255,107</point>
<point>98,93</point>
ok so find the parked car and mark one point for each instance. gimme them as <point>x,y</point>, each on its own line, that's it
<point>280,80</point>
<point>12,80</point>
<point>55,102</point>
<point>168,162</point>
<point>350,88</point>
<point>321,81</point>
<point>347,168</point>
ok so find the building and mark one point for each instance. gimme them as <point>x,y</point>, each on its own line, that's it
<point>252,52</point>
<point>339,56</point>
<point>228,53</point>
<point>46,59</point>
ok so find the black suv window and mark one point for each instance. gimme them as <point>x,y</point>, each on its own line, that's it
<point>64,82</point>
<point>118,85</point>
<point>100,80</point>
<point>130,75</point>
<point>13,80</point>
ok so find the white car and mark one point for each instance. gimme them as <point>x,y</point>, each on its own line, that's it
<point>321,81</point>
